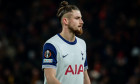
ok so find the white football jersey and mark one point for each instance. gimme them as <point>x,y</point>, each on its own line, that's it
<point>68,58</point>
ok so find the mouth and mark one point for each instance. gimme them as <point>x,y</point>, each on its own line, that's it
<point>80,26</point>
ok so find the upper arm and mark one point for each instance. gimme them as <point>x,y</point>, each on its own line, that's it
<point>85,73</point>
<point>86,78</point>
<point>85,64</point>
<point>85,55</point>
<point>49,56</point>
<point>49,61</point>
<point>50,73</point>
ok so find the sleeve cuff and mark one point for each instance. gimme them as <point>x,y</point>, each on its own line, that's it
<point>86,67</point>
<point>48,66</point>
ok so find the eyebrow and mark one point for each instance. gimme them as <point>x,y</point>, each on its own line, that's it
<point>78,16</point>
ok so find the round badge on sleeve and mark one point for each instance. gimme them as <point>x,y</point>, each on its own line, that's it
<point>47,54</point>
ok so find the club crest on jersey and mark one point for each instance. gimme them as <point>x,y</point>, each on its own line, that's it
<point>47,54</point>
<point>82,55</point>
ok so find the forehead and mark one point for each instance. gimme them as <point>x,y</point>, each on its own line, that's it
<point>75,13</point>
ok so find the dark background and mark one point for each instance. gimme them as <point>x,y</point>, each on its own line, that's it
<point>111,31</point>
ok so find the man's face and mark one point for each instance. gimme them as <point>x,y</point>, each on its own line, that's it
<point>75,22</point>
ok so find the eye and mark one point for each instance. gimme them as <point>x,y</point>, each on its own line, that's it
<point>77,17</point>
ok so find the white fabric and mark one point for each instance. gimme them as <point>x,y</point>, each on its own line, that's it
<point>68,55</point>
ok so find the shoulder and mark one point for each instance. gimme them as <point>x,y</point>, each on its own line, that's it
<point>52,39</point>
<point>80,40</point>
<point>50,45</point>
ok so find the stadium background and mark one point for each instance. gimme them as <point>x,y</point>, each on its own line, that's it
<point>111,31</point>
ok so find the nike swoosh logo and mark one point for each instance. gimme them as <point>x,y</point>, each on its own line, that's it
<point>64,56</point>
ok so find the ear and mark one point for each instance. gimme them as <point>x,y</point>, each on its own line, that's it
<point>65,21</point>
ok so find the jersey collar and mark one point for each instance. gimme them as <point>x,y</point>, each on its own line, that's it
<point>71,43</point>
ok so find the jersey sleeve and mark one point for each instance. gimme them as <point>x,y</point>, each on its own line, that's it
<point>85,55</point>
<point>49,59</point>
<point>85,64</point>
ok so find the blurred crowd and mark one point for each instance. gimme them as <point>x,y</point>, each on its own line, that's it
<point>111,31</point>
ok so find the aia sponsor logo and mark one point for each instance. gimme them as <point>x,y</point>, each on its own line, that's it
<point>75,71</point>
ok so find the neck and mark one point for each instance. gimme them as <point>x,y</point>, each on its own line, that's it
<point>67,35</point>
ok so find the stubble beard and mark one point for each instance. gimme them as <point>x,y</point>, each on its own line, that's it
<point>76,32</point>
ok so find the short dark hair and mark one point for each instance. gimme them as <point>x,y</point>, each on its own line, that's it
<point>65,8</point>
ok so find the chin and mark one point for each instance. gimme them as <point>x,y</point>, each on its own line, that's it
<point>79,32</point>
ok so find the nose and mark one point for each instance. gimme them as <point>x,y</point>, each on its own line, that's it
<point>81,21</point>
